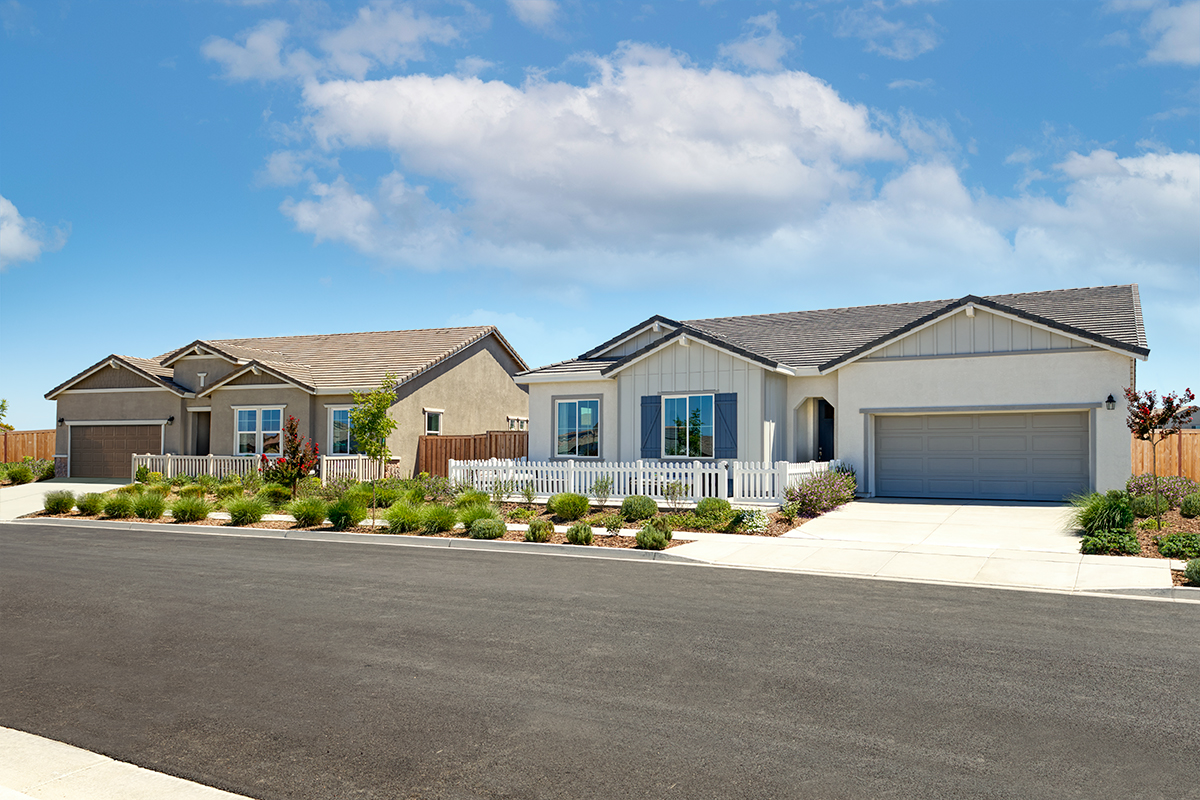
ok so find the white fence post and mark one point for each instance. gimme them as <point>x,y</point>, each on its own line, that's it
<point>723,481</point>
<point>781,479</point>
<point>571,475</point>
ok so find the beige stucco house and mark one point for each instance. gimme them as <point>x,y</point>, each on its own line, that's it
<point>1008,397</point>
<point>231,397</point>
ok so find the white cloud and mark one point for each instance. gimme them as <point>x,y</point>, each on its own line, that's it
<point>890,38</point>
<point>648,150</point>
<point>24,238</point>
<point>1175,33</point>
<point>909,83</point>
<point>538,14</point>
<point>260,54</point>
<point>285,168</point>
<point>761,46</point>
<point>472,66</point>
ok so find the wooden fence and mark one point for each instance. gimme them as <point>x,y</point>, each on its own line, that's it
<point>435,452</point>
<point>1177,455</point>
<point>20,444</point>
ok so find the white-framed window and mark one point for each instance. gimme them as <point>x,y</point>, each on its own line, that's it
<point>688,426</point>
<point>518,423</point>
<point>341,437</point>
<point>433,422</point>
<point>258,429</point>
<point>577,428</point>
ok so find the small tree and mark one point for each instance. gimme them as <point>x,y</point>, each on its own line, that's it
<point>1153,423</point>
<point>371,424</point>
<point>299,458</point>
<point>4,426</point>
<point>601,489</point>
<point>673,494</point>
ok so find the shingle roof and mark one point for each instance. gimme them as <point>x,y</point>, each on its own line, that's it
<point>1110,315</point>
<point>574,366</point>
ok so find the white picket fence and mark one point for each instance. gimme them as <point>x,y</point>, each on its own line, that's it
<point>329,467</point>
<point>736,481</point>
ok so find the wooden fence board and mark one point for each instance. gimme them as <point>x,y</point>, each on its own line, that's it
<point>434,452</point>
<point>20,444</point>
<point>1177,455</point>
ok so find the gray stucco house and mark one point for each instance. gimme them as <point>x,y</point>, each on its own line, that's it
<point>1014,396</point>
<point>232,396</point>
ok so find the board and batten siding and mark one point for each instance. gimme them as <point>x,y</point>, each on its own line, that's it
<point>637,342</point>
<point>983,333</point>
<point>697,369</point>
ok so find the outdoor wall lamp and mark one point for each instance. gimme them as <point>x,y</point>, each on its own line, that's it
<point>1110,403</point>
<point>170,420</point>
<point>61,420</point>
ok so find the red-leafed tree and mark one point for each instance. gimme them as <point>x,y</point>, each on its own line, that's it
<point>1154,423</point>
<point>299,458</point>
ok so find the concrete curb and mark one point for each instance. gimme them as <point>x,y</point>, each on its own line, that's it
<point>387,539</point>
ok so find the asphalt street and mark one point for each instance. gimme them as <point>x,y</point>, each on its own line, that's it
<point>290,669</point>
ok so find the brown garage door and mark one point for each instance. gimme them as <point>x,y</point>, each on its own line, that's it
<point>1036,456</point>
<point>103,451</point>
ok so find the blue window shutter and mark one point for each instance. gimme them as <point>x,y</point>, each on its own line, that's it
<point>726,427</point>
<point>651,424</point>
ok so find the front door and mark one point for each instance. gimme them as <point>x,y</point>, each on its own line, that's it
<point>203,425</point>
<point>824,431</point>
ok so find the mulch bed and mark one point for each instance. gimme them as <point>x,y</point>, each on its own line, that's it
<point>1173,522</point>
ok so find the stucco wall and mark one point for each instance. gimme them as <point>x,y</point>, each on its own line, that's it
<point>1078,377</point>
<point>186,369</point>
<point>223,436</point>
<point>542,423</point>
<point>123,406</point>
<point>802,393</point>
<point>113,378</point>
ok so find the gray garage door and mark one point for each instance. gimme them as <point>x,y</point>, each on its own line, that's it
<point>103,451</point>
<point>983,456</point>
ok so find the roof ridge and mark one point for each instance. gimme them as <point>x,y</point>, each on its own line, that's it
<point>351,333</point>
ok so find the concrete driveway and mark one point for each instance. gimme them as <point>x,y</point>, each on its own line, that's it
<point>1041,527</point>
<point>17,501</point>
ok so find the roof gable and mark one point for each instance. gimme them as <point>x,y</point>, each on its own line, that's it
<point>652,325</point>
<point>153,373</point>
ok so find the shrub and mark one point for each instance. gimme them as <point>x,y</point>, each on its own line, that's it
<point>713,507</point>
<point>346,513</point>
<point>190,509</point>
<point>822,492</point>
<point>154,477</point>
<point>1112,511</point>
<point>207,483</point>
<point>438,519</point>
<point>1183,546</point>
<point>520,514</point>
<point>467,516</point>
<point>601,489</point>
<point>181,480</point>
<point>570,506</point>
<point>579,533</point>
<point>1172,487</point>
<point>59,502</point>
<point>162,488</point>
<point>487,528</point>
<point>118,506</point>
<point>387,492</point>
<point>1150,524</point>
<point>431,487</point>
<point>502,489</point>
<point>751,521</point>
<point>1110,542</point>
<point>227,490</point>
<point>20,473</point>
<point>252,481</point>
<point>196,490</point>
<point>528,493</point>
<point>790,511</point>
<point>673,493</point>
<point>610,522</point>
<point>1192,571</point>
<point>404,517</point>
<point>44,469</point>
<point>142,473</point>
<point>337,488</point>
<point>1144,506</point>
<point>131,489</point>
<point>1190,506</point>
<point>660,524</point>
<point>232,479</point>
<point>540,530</point>
<point>471,497</point>
<point>550,501</point>
<point>651,537</point>
<point>275,494</point>
<point>91,504</point>
<point>308,511</point>
<point>246,510</point>
<point>309,487</point>
<point>149,505</point>
<point>637,507</point>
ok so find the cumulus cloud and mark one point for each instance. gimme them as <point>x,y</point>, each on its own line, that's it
<point>24,238</point>
<point>383,34</point>
<point>537,14</point>
<point>1174,33</point>
<point>896,39</point>
<point>761,46</point>
<point>651,147</point>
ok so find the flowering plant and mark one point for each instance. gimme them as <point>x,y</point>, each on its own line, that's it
<point>821,492</point>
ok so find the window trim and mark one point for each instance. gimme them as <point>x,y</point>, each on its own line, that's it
<point>575,398</point>
<point>330,408</point>
<point>663,425</point>
<point>258,432</point>
<point>430,413</point>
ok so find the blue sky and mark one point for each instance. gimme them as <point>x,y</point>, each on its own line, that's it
<point>180,170</point>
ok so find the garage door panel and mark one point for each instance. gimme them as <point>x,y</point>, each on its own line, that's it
<point>105,451</point>
<point>1031,456</point>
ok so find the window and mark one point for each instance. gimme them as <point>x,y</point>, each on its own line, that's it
<point>259,430</point>
<point>341,438</point>
<point>688,426</point>
<point>578,426</point>
<point>433,422</point>
<point>518,424</point>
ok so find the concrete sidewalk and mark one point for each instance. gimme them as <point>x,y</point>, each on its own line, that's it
<point>17,501</point>
<point>34,768</point>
